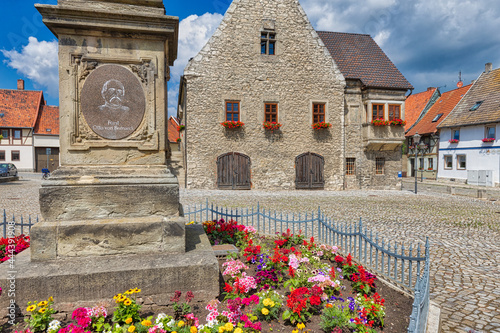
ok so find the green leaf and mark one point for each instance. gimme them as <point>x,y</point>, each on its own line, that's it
<point>286,315</point>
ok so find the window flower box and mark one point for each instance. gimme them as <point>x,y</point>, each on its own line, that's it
<point>453,141</point>
<point>181,127</point>
<point>379,122</point>
<point>272,126</point>
<point>318,126</point>
<point>488,140</point>
<point>178,139</point>
<point>232,124</point>
<point>397,122</point>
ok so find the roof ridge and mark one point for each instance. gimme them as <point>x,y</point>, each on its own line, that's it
<point>346,33</point>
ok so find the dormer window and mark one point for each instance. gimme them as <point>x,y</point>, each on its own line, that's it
<point>48,130</point>
<point>437,117</point>
<point>476,106</point>
<point>268,42</point>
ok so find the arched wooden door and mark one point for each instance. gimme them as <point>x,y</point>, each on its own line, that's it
<point>309,169</point>
<point>233,172</point>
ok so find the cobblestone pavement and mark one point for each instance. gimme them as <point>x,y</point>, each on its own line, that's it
<point>464,234</point>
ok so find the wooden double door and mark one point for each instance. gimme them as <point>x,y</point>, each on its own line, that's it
<point>233,171</point>
<point>309,171</point>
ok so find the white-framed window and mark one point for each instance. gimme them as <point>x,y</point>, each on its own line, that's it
<point>461,162</point>
<point>448,162</point>
<point>420,163</point>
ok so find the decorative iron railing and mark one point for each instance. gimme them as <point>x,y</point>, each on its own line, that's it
<point>12,228</point>
<point>397,265</point>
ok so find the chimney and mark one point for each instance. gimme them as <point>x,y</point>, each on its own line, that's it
<point>430,88</point>
<point>488,67</point>
<point>20,84</point>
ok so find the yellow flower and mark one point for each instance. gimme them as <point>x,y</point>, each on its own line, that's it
<point>121,299</point>
<point>128,320</point>
<point>301,326</point>
<point>136,290</point>
<point>238,330</point>
<point>128,292</point>
<point>267,301</point>
<point>295,331</point>
<point>228,327</point>
<point>265,311</point>
<point>31,308</point>
<point>117,296</point>
<point>221,329</point>
<point>131,328</point>
<point>271,305</point>
<point>193,329</point>
<point>180,324</point>
<point>51,299</point>
<point>42,310</point>
<point>146,322</point>
<point>127,302</point>
<point>42,304</point>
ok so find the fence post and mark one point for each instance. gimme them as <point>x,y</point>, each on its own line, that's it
<point>360,237</point>
<point>258,217</point>
<point>4,224</point>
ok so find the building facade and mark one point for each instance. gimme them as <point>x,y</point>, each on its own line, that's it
<point>469,150</point>
<point>265,64</point>
<point>29,129</point>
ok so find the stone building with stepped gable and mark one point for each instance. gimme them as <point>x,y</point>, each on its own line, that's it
<point>266,62</point>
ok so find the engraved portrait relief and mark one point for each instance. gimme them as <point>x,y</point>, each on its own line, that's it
<point>112,102</point>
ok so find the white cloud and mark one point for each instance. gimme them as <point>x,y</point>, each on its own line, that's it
<point>37,61</point>
<point>194,33</point>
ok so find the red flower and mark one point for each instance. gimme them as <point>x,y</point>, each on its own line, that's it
<point>228,288</point>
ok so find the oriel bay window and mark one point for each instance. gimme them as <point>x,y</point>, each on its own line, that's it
<point>318,113</point>
<point>232,111</point>
<point>378,111</point>
<point>271,112</point>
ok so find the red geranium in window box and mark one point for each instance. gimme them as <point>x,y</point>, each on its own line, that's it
<point>379,122</point>
<point>232,124</point>
<point>181,127</point>
<point>321,125</point>
<point>397,122</point>
<point>453,141</point>
<point>488,140</point>
<point>272,126</point>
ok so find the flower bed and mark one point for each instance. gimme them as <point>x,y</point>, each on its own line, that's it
<point>232,124</point>
<point>13,246</point>
<point>285,283</point>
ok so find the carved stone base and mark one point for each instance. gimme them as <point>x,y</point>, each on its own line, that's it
<point>96,193</point>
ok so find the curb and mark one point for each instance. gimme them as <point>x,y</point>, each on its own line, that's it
<point>434,318</point>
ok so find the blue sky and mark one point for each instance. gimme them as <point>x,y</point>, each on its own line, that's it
<point>429,41</point>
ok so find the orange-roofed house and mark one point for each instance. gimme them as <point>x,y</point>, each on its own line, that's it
<point>29,128</point>
<point>173,133</point>
<point>427,128</point>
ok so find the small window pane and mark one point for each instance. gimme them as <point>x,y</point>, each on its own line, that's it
<point>456,134</point>
<point>379,165</point>
<point>5,133</point>
<point>2,155</point>
<point>271,48</point>
<point>431,164</point>
<point>17,134</point>
<point>16,155</point>
<point>461,162</point>
<point>448,162</point>
<point>350,166</point>
<point>490,132</point>
<point>263,47</point>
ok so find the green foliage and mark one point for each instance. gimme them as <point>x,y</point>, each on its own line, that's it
<point>334,316</point>
<point>269,305</point>
<point>40,315</point>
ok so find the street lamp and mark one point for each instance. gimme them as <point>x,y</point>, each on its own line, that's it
<point>416,141</point>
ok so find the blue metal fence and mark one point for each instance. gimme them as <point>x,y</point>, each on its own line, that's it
<point>11,228</point>
<point>398,265</point>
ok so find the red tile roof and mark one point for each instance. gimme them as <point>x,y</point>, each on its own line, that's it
<point>48,120</point>
<point>486,89</point>
<point>444,105</point>
<point>173,133</point>
<point>415,104</point>
<point>19,107</point>
<point>359,57</point>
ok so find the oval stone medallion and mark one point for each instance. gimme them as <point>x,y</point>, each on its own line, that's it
<point>113,102</point>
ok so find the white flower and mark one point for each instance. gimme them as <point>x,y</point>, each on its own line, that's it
<point>160,325</point>
<point>160,317</point>
<point>171,323</point>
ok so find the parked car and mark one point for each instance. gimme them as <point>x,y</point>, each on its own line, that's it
<point>8,170</point>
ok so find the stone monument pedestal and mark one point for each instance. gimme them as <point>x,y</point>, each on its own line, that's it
<point>111,214</point>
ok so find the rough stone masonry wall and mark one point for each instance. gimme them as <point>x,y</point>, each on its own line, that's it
<point>230,67</point>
